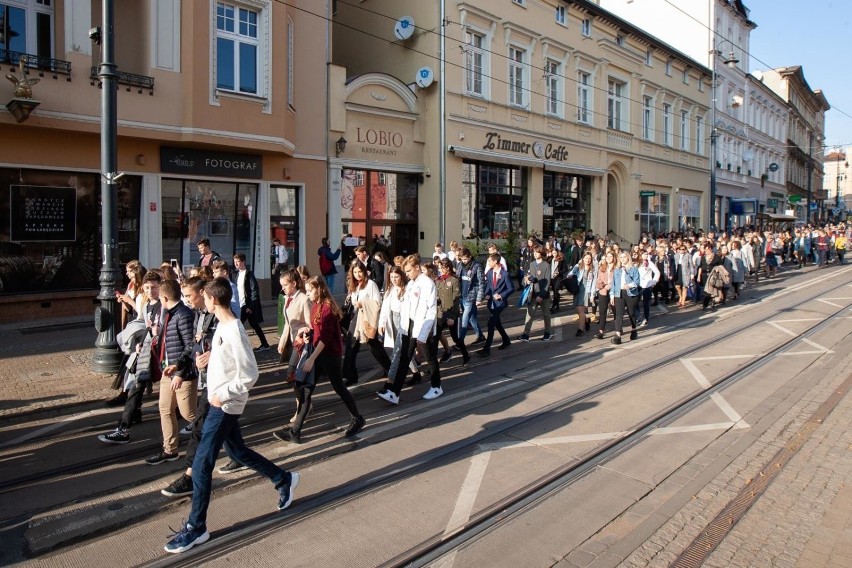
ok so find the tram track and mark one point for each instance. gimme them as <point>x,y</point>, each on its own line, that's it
<point>495,515</point>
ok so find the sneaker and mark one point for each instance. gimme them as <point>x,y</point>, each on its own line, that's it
<point>599,334</point>
<point>186,430</point>
<point>160,458</point>
<point>186,538</point>
<point>261,349</point>
<point>118,436</point>
<point>433,393</point>
<point>616,340</point>
<point>232,466</point>
<point>288,435</point>
<point>286,492</point>
<point>415,378</point>
<point>633,335</point>
<point>484,352</point>
<point>480,339</point>
<point>524,337</point>
<point>546,337</point>
<point>579,333</point>
<point>179,487</point>
<point>446,356</point>
<point>389,396</point>
<point>643,323</point>
<point>504,345</point>
<point>355,426</point>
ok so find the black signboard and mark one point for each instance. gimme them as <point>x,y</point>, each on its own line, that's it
<point>200,162</point>
<point>42,213</point>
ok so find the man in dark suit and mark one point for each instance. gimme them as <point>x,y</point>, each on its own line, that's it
<point>498,288</point>
<point>249,293</point>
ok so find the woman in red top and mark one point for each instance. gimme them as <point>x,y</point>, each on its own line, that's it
<point>323,331</point>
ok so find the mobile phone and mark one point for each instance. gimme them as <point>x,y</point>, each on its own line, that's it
<point>174,263</point>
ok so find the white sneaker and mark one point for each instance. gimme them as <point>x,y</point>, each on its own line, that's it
<point>186,430</point>
<point>389,396</point>
<point>433,393</point>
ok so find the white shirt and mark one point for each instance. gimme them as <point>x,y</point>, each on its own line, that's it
<point>232,369</point>
<point>241,288</point>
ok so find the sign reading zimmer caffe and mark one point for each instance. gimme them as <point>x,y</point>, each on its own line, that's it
<point>493,141</point>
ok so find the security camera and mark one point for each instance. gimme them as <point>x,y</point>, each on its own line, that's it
<point>95,35</point>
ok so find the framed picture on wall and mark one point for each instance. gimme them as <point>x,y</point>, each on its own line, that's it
<point>220,227</point>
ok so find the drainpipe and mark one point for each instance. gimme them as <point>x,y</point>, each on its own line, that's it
<point>442,143</point>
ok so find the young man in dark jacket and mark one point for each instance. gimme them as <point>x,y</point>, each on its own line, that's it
<point>249,295</point>
<point>178,387</point>
<point>472,291</point>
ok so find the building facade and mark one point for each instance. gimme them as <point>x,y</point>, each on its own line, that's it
<point>553,118</point>
<point>221,135</point>
<point>837,185</point>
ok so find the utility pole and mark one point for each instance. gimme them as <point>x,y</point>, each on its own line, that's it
<point>107,357</point>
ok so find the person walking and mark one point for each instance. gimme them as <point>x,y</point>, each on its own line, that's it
<point>366,302</point>
<point>538,275</point>
<point>603,286</point>
<point>649,275</point>
<point>323,334</point>
<point>232,371</point>
<point>326,262</point>
<point>249,295</point>
<point>498,288</point>
<point>472,291</point>
<point>390,321</point>
<point>624,295</point>
<point>684,274</point>
<point>449,308</point>
<point>586,274</point>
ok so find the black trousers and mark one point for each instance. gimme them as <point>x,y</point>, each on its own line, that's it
<point>626,304</point>
<point>409,345</point>
<point>133,405</point>
<point>454,332</point>
<point>494,322</point>
<point>255,325</point>
<point>353,346</point>
<point>604,307</point>
<point>197,426</point>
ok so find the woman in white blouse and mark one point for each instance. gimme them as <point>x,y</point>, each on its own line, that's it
<point>366,300</point>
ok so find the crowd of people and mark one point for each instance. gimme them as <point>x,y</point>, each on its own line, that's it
<point>186,333</point>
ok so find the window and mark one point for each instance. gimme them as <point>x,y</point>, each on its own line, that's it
<point>474,62</point>
<point>649,57</point>
<point>519,2</point>
<point>583,98</point>
<point>669,67</point>
<point>517,70</point>
<point>586,27</point>
<point>26,27</point>
<point>701,85</point>
<point>667,124</point>
<point>553,81</point>
<point>619,40</point>
<point>685,76</point>
<point>684,130</point>
<point>560,15</point>
<point>566,203</point>
<point>237,48</point>
<point>290,59</point>
<point>647,118</point>
<point>654,213</point>
<point>493,200</point>
<point>616,105</point>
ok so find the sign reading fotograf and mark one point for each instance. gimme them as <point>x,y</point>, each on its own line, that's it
<point>42,213</point>
<point>195,161</point>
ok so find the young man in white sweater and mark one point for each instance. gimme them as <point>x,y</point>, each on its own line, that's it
<point>232,370</point>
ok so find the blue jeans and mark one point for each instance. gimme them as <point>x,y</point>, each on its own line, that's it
<point>329,280</point>
<point>469,316</point>
<point>223,429</point>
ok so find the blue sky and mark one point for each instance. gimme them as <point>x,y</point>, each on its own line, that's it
<point>816,35</point>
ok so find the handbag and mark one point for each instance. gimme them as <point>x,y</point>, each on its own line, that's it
<point>301,376</point>
<point>525,295</point>
<point>347,313</point>
<point>572,284</point>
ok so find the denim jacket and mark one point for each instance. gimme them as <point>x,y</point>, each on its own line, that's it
<point>622,275</point>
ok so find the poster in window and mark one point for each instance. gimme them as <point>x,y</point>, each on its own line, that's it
<point>220,227</point>
<point>42,213</point>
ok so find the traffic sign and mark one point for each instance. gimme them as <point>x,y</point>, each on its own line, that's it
<point>794,198</point>
<point>647,193</point>
<point>813,206</point>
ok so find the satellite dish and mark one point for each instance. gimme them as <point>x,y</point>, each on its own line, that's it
<point>425,77</point>
<point>403,28</point>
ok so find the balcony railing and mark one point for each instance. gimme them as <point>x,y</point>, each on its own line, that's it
<point>38,63</point>
<point>129,80</point>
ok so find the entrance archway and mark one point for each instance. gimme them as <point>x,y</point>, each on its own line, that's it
<point>611,204</point>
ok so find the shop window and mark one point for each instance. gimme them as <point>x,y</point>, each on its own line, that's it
<point>284,228</point>
<point>195,210</point>
<point>493,200</point>
<point>654,213</point>
<point>566,203</point>
<point>689,212</point>
<point>50,237</point>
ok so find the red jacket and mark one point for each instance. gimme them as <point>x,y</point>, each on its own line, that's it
<point>326,328</point>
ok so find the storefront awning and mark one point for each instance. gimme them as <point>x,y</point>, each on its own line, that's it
<point>499,158</point>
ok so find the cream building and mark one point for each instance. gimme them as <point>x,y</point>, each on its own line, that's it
<point>221,134</point>
<point>550,117</point>
<point>837,183</point>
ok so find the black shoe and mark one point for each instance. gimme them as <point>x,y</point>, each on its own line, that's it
<point>232,466</point>
<point>465,359</point>
<point>288,435</point>
<point>579,333</point>
<point>117,401</point>
<point>161,457</point>
<point>616,340</point>
<point>552,310</point>
<point>588,325</point>
<point>136,417</point>
<point>504,345</point>
<point>633,335</point>
<point>446,356</point>
<point>179,487</point>
<point>415,378</point>
<point>480,339</point>
<point>350,382</point>
<point>355,426</point>
<point>484,353</point>
<point>149,390</point>
<point>118,436</point>
<point>599,334</point>
<point>655,303</point>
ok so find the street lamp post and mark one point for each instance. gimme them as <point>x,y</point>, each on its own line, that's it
<point>107,358</point>
<point>731,62</point>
